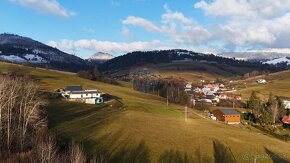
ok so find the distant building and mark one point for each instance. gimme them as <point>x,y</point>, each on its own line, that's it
<point>261,81</point>
<point>286,104</point>
<point>213,98</point>
<point>223,96</point>
<point>229,116</point>
<point>221,85</point>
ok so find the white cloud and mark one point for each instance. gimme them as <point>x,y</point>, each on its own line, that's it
<point>71,46</point>
<point>175,26</point>
<point>249,23</point>
<point>141,22</point>
<point>46,6</point>
<point>239,25</point>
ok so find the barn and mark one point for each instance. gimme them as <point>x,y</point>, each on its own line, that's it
<point>229,116</point>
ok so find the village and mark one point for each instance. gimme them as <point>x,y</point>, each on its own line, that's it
<point>212,94</point>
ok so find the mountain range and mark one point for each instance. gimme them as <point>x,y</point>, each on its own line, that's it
<point>18,49</point>
<point>182,60</point>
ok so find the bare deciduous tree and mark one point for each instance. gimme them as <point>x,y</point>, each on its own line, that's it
<point>76,154</point>
<point>46,150</point>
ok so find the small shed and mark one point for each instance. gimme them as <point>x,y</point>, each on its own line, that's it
<point>229,116</point>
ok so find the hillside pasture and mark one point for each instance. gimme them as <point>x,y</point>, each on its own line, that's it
<point>146,130</point>
<point>277,83</point>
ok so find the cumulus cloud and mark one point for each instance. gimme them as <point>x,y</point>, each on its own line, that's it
<point>240,25</point>
<point>141,22</point>
<point>178,28</point>
<point>71,46</point>
<point>45,6</point>
<point>249,24</point>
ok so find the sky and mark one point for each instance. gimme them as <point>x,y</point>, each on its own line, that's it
<point>121,26</point>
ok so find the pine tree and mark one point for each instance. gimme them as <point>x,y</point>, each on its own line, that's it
<point>254,104</point>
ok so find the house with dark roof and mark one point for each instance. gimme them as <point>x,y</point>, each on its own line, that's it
<point>74,88</point>
<point>227,115</point>
<point>76,93</point>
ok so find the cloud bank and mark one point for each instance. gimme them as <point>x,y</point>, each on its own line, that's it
<point>239,25</point>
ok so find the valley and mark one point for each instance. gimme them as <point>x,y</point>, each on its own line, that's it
<point>146,130</point>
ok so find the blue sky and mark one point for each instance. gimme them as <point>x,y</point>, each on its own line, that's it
<point>120,26</point>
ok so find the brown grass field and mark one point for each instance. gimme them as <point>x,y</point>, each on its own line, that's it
<point>277,83</point>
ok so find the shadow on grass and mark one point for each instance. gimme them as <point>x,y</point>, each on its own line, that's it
<point>174,156</point>
<point>276,158</point>
<point>60,111</point>
<point>116,147</point>
<point>222,153</point>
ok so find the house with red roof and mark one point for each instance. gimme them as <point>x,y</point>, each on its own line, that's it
<point>286,121</point>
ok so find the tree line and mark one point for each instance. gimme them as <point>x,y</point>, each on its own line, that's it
<point>171,89</point>
<point>166,56</point>
<point>269,112</point>
<point>95,75</point>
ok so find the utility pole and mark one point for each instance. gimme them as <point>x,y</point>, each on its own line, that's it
<point>185,113</point>
<point>167,97</point>
<point>275,112</point>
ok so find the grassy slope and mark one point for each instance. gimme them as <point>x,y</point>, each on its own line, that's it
<point>146,130</point>
<point>192,71</point>
<point>278,84</point>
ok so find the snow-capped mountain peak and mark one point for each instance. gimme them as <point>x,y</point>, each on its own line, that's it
<point>101,56</point>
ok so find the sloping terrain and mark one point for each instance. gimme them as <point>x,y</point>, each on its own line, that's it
<point>277,83</point>
<point>184,60</point>
<point>20,49</point>
<point>145,130</point>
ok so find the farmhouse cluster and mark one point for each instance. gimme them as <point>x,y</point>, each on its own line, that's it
<point>210,93</point>
<point>77,94</point>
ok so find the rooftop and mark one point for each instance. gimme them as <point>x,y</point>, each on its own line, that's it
<point>85,92</point>
<point>74,88</point>
<point>229,111</point>
<point>286,119</point>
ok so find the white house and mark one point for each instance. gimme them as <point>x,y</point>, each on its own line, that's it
<point>287,104</point>
<point>76,93</point>
<point>84,94</point>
